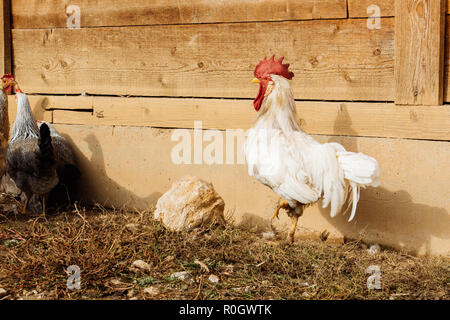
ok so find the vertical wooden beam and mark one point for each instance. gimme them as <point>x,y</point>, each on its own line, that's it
<point>5,36</point>
<point>419,51</point>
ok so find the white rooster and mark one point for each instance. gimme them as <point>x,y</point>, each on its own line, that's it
<point>289,161</point>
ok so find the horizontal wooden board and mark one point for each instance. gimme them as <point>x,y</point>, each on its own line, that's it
<point>332,118</point>
<point>38,106</point>
<point>51,14</point>
<point>358,8</point>
<point>332,60</point>
<point>46,102</point>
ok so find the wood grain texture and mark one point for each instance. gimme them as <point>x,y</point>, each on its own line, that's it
<point>332,118</point>
<point>358,8</point>
<point>51,14</point>
<point>332,60</point>
<point>447,62</point>
<point>5,37</point>
<point>41,102</point>
<point>419,51</point>
<point>38,105</point>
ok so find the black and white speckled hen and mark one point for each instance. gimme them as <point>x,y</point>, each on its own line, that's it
<point>30,158</point>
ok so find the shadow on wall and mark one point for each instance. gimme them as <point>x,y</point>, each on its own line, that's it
<point>95,180</point>
<point>389,217</point>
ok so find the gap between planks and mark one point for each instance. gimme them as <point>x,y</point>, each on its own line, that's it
<point>327,118</point>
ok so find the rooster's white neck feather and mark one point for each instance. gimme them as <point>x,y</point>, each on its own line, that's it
<point>278,108</point>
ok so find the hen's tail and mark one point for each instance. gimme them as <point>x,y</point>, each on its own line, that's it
<point>360,170</point>
<point>46,155</point>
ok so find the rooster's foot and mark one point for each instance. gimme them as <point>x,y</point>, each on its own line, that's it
<point>282,204</point>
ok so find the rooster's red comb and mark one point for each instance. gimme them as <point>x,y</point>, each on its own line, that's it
<point>7,76</point>
<point>271,66</point>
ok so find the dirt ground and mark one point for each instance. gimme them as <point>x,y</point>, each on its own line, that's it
<point>222,262</point>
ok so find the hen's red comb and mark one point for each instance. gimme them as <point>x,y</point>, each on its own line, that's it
<point>268,67</point>
<point>7,76</point>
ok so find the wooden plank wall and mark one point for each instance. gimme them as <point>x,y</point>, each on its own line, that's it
<point>144,65</point>
<point>208,49</point>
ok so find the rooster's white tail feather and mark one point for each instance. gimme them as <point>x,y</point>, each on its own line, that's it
<point>354,199</point>
<point>360,170</point>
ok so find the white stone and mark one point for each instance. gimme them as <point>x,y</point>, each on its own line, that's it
<point>153,291</point>
<point>190,203</point>
<point>304,284</point>
<point>141,265</point>
<point>213,278</point>
<point>169,258</point>
<point>228,269</point>
<point>242,289</point>
<point>131,293</point>
<point>181,275</point>
<point>268,235</point>
<point>117,283</point>
<point>132,227</point>
<point>374,249</point>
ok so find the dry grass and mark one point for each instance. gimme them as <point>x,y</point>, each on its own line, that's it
<point>35,253</point>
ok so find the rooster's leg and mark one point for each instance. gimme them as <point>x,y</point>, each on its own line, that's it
<point>294,215</point>
<point>282,204</point>
<point>293,228</point>
<point>25,207</point>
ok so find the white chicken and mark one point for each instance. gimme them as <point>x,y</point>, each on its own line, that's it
<point>289,161</point>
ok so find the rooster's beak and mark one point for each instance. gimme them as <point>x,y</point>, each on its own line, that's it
<point>255,80</point>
